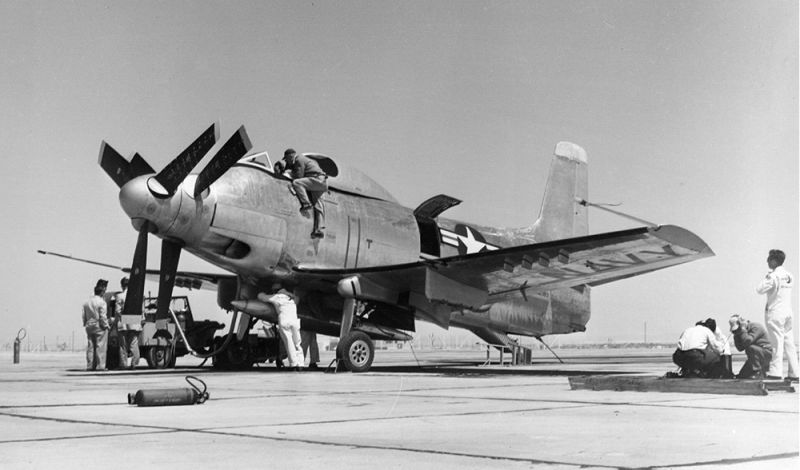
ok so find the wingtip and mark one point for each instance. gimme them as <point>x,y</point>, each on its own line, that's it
<point>682,237</point>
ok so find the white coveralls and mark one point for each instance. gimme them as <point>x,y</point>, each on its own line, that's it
<point>289,326</point>
<point>723,342</point>
<point>128,328</point>
<point>778,319</point>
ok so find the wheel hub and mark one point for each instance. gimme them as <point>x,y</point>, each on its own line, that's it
<point>359,353</point>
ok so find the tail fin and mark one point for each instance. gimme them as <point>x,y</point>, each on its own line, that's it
<point>562,215</point>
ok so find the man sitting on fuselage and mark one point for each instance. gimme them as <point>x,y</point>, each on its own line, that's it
<point>309,183</point>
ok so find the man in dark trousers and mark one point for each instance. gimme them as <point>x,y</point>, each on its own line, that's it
<point>95,321</point>
<point>309,183</point>
<point>698,353</point>
<point>751,338</point>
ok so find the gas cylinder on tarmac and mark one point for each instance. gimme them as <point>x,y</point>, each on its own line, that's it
<point>20,336</point>
<point>170,396</point>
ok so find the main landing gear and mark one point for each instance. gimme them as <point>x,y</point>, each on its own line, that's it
<point>355,350</point>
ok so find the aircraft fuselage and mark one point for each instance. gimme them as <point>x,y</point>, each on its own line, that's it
<point>248,223</point>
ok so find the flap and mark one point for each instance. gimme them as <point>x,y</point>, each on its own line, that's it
<point>440,288</point>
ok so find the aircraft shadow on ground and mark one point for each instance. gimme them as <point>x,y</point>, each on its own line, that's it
<point>488,371</point>
<point>449,370</point>
<point>444,367</point>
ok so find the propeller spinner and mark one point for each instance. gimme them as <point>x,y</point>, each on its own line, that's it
<point>148,201</point>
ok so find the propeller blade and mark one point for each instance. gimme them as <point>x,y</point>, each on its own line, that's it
<point>114,164</point>
<point>140,167</point>
<point>135,296</point>
<point>235,148</point>
<point>178,169</point>
<point>170,255</point>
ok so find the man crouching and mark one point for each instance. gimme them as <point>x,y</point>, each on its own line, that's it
<point>698,353</point>
<point>751,338</point>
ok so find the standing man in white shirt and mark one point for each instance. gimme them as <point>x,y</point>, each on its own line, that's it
<point>283,303</point>
<point>777,285</point>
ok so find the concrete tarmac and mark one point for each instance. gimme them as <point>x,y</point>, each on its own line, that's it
<point>423,410</point>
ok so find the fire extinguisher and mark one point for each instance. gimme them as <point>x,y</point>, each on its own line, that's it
<point>171,396</point>
<point>21,334</point>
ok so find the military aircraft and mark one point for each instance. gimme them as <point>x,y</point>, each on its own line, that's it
<point>380,265</point>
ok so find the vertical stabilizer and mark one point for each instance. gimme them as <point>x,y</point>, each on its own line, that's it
<point>562,215</point>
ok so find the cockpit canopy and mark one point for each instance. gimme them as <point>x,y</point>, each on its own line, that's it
<point>340,176</point>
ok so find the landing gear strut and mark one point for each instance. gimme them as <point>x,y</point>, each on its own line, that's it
<point>355,350</point>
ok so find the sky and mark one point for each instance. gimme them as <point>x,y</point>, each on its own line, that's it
<point>688,111</point>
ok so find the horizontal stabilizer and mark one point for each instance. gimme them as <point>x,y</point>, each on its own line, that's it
<point>494,338</point>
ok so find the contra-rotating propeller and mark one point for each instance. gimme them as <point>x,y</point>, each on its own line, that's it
<point>162,187</point>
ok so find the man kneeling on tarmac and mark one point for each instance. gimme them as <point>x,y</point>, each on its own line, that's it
<point>751,338</point>
<point>698,353</point>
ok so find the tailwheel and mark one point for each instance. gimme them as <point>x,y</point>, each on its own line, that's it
<point>160,357</point>
<point>356,351</point>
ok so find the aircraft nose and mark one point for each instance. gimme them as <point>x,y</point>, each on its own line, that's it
<point>134,198</point>
<point>139,203</point>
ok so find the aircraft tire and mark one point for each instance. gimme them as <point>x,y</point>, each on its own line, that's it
<point>159,357</point>
<point>356,351</point>
<point>238,356</point>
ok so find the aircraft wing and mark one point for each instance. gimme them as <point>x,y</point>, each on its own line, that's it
<point>478,279</point>
<point>185,279</point>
